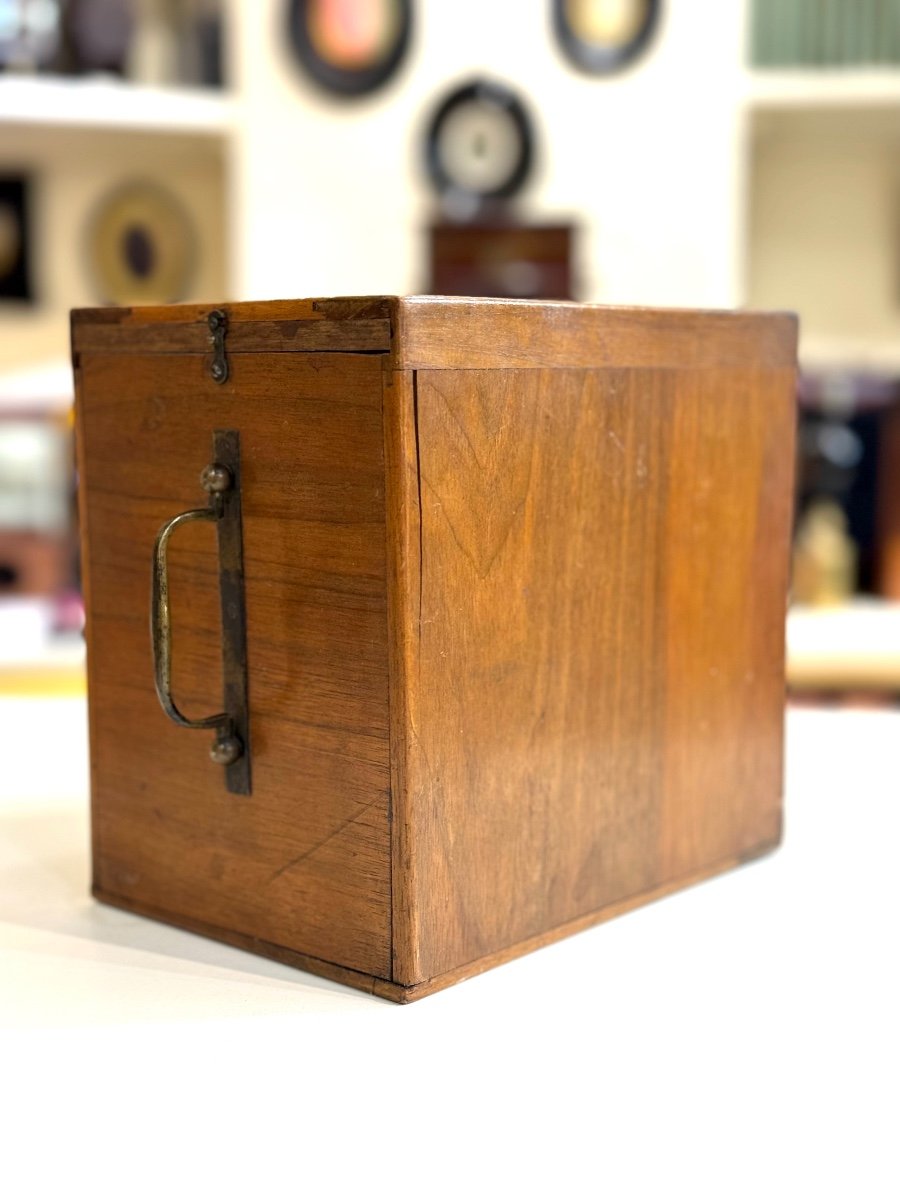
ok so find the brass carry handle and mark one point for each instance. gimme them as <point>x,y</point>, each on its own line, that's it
<point>161,626</point>
<point>221,480</point>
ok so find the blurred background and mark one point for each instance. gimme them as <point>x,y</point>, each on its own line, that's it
<point>709,153</point>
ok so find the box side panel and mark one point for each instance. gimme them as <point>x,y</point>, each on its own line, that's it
<point>727,529</point>
<point>303,862</point>
<point>595,643</point>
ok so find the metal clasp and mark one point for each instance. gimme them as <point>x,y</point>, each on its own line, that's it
<point>218,327</point>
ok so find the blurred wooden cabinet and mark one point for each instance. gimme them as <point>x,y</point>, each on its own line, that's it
<point>522,262</point>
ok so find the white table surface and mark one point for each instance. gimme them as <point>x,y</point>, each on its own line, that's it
<point>739,1039</point>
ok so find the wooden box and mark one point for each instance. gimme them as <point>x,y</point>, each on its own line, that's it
<point>508,580</point>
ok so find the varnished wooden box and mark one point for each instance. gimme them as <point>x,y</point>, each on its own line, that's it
<point>514,580</point>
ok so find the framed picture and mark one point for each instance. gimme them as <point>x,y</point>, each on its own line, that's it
<point>15,276</point>
<point>480,147</point>
<point>602,36</point>
<point>349,47</point>
<point>141,246</point>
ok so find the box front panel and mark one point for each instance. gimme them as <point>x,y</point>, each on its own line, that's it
<point>597,684</point>
<point>304,861</point>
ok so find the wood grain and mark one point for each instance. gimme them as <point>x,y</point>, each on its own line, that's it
<point>244,337</point>
<point>593,640</point>
<point>343,308</point>
<point>304,861</point>
<point>516,579</point>
<point>441,333</point>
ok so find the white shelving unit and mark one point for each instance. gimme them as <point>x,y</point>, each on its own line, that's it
<point>834,353</point>
<point>822,233</point>
<point>696,180</point>
<point>77,139</point>
<point>702,182</point>
<point>850,646</point>
<point>112,105</point>
<point>822,88</point>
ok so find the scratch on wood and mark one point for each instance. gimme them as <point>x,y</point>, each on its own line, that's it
<point>295,862</point>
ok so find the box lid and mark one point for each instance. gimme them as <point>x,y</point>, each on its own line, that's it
<point>440,332</point>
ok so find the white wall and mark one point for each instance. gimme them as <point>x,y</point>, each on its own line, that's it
<point>329,197</point>
<point>71,172</point>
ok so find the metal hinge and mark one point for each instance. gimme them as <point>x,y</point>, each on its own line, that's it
<point>218,327</point>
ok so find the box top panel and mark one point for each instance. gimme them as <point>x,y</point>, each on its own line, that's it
<point>453,333</point>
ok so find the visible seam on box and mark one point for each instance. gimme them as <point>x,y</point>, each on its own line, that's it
<point>385,367</point>
<point>415,389</point>
<point>149,912</point>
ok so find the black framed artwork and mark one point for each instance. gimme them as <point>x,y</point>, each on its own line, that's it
<point>349,47</point>
<point>603,36</point>
<point>479,147</point>
<point>15,245</point>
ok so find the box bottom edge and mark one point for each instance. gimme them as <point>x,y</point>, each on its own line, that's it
<point>399,993</point>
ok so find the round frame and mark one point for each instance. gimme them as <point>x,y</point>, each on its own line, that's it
<point>337,80</point>
<point>112,281</point>
<point>603,60</point>
<point>484,92</point>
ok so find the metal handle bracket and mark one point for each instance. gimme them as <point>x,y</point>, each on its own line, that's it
<point>221,479</point>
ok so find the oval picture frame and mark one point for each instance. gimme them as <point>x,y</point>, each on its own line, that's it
<point>596,58</point>
<point>338,80</point>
